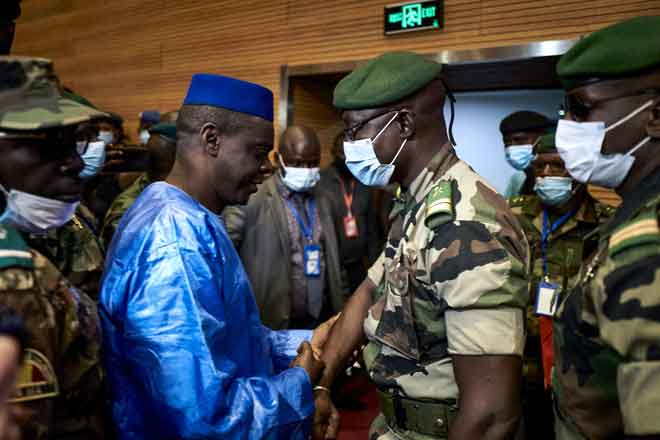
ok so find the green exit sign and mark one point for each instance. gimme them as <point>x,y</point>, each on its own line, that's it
<point>408,17</point>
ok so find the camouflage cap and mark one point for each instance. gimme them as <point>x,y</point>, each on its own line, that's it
<point>385,79</point>
<point>622,50</point>
<point>30,98</point>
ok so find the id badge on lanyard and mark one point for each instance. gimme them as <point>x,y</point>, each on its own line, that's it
<point>311,251</point>
<point>547,298</point>
<point>312,260</point>
<point>350,223</point>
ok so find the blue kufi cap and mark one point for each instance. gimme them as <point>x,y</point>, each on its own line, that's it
<point>231,94</point>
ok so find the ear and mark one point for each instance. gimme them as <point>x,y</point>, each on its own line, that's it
<point>210,138</point>
<point>406,122</point>
<point>653,125</point>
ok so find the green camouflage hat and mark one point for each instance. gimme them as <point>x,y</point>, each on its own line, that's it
<point>31,100</point>
<point>385,79</point>
<point>618,51</point>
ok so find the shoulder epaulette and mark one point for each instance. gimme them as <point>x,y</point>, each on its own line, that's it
<point>439,205</point>
<point>641,230</point>
<point>14,251</point>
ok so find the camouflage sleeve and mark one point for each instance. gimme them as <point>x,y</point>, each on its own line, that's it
<point>627,304</point>
<point>377,270</point>
<point>37,384</point>
<point>481,276</point>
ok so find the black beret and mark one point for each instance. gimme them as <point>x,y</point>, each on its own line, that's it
<point>525,121</point>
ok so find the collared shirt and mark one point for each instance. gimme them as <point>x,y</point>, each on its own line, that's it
<point>303,288</point>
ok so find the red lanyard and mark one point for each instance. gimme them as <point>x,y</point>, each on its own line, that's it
<point>348,198</point>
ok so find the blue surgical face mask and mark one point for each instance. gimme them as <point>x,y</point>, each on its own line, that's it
<point>519,156</point>
<point>94,158</point>
<point>144,137</point>
<point>554,191</point>
<point>35,214</point>
<point>362,161</point>
<point>106,136</point>
<point>299,179</point>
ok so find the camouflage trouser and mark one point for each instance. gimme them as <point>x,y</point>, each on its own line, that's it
<point>380,431</point>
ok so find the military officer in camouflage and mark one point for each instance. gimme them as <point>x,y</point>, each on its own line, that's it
<point>59,392</point>
<point>162,152</point>
<point>606,377</point>
<point>559,222</point>
<point>442,310</point>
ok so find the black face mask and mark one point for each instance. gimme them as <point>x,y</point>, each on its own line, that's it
<point>6,37</point>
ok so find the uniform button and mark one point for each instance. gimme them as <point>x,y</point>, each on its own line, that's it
<point>439,422</point>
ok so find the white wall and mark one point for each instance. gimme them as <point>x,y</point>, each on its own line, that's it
<point>476,127</point>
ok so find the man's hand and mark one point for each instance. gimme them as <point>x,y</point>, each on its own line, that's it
<point>321,334</point>
<point>326,417</point>
<point>308,361</point>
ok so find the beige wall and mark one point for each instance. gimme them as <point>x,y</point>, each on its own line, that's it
<point>129,55</point>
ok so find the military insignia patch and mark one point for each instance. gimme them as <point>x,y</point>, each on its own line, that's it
<point>36,378</point>
<point>14,252</point>
<point>642,230</point>
<point>439,206</point>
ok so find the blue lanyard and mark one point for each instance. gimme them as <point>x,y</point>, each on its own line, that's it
<point>548,229</point>
<point>307,230</point>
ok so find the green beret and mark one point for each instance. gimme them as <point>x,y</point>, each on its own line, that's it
<point>30,98</point>
<point>385,79</point>
<point>546,144</point>
<point>165,129</point>
<point>622,50</point>
<point>525,121</point>
<point>68,94</point>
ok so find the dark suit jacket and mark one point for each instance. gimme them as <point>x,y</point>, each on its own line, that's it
<point>260,233</point>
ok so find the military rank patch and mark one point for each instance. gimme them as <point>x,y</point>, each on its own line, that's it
<point>14,252</point>
<point>36,378</point>
<point>439,205</point>
<point>640,231</point>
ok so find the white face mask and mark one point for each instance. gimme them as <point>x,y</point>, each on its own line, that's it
<point>299,179</point>
<point>106,136</point>
<point>362,161</point>
<point>144,137</point>
<point>35,214</point>
<point>580,143</point>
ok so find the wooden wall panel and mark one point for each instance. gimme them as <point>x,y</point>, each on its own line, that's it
<point>130,55</point>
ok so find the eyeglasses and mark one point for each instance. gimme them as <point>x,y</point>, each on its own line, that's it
<point>580,110</point>
<point>349,133</point>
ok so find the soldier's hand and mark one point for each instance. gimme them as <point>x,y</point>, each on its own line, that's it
<point>326,417</point>
<point>321,334</point>
<point>307,360</point>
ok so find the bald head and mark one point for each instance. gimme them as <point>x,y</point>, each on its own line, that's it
<point>300,147</point>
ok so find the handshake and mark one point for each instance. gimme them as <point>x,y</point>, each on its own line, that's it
<point>326,417</point>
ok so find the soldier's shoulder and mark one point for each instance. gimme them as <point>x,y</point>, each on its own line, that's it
<point>603,211</point>
<point>14,250</point>
<point>640,233</point>
<point>439,204</point>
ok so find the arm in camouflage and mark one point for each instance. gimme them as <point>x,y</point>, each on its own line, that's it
<point>627,306</point>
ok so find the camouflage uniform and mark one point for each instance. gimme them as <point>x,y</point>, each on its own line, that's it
<point>75,250</point>
<point>607,331</point>
<point>60,383</point>
<point>452,280</point>
<point>567,247</point>
<point>120,205</point>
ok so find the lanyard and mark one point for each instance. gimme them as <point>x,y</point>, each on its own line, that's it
<point>348,198</point>
<point>307,230</point>
<point>548,229</point>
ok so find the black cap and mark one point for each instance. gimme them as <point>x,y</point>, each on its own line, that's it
<point>525,121</point>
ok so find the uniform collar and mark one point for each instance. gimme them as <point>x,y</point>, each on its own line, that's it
<point>437,167</point>
<point>586,213</point>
